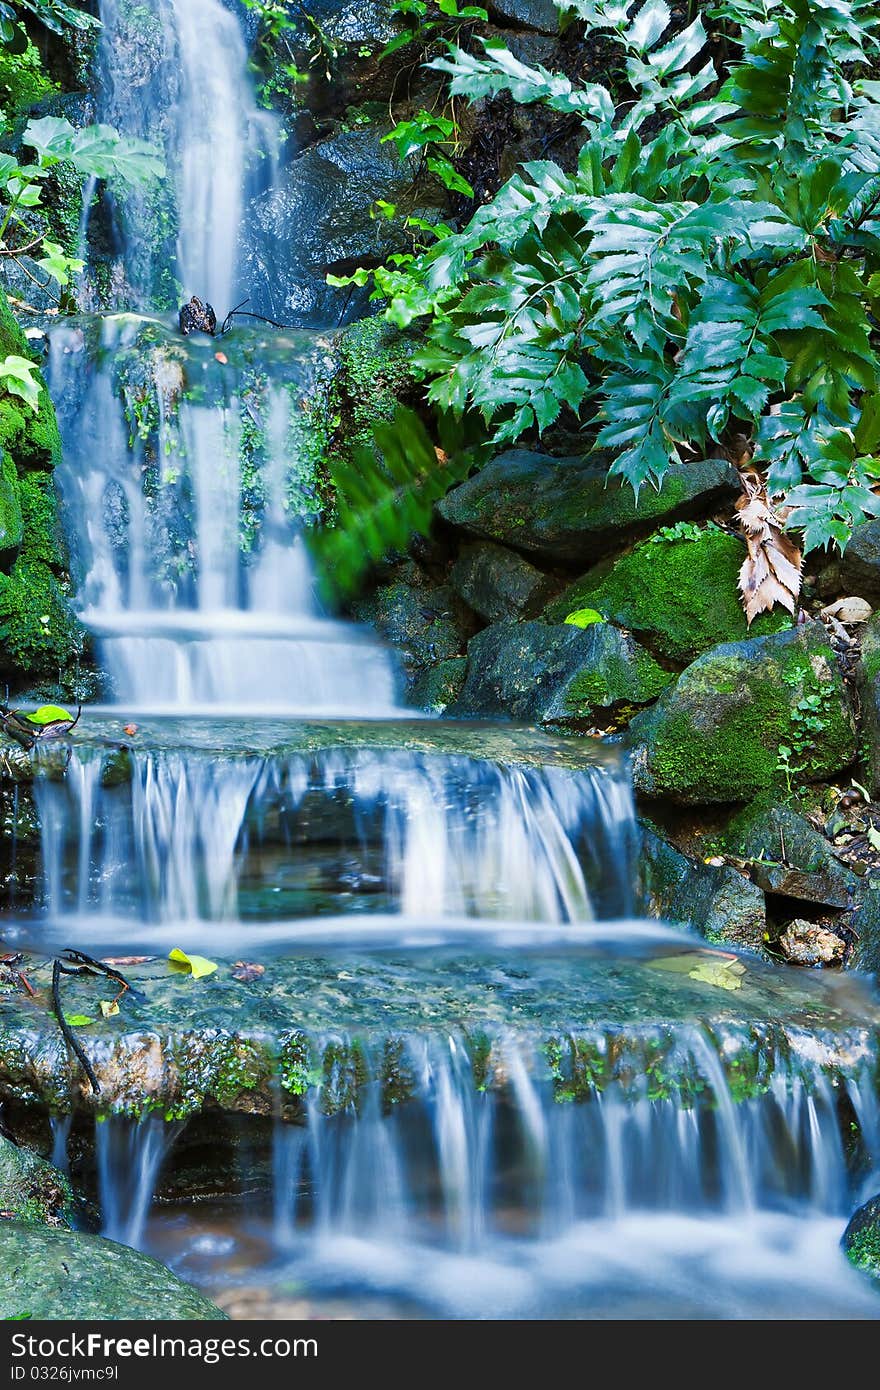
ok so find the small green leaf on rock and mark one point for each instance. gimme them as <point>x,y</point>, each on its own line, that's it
<point>584,617</point>
<point>197,966</point>
<point>78,1020</point>
<point>48,714</point>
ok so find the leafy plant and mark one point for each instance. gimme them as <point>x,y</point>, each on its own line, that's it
<point>386,496</point>
<point>707,275</point>
<point>18,377</point>
<point>55,14</point>
<point>97,150</point>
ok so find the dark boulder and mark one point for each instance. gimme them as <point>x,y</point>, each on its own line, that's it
<point>569,512</point>
<point>860,564</point>
<point>555,674</point>
<point>498,583</point>
<point>718,902</point>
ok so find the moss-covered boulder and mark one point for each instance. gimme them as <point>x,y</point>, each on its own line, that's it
<point>717,901</point>
<point>73,1276</point>
<point>560,674</point>
<point>569,512</point>
<point>868,678</point>
<point>789,857</point>
<point>31,1190</point>
<point>10,514</point>
<point>437,687</point>
<point>498,583</point>
<point>39,636</point>
<point>861,1239</point>
<point>745,717</point>
<point>677,592</point>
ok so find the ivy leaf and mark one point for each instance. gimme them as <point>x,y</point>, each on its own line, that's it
<point>197,966</point>
<point>18,377</point>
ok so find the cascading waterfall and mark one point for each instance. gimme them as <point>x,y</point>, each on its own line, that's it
<point>503,1195</point>
<point>176,72</point>
<point>185,837</point>
<point>189,618</point>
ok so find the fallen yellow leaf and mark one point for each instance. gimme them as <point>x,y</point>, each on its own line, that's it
<point>197,966</point>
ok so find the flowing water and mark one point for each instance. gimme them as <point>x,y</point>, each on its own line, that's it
<point>697,1157</point>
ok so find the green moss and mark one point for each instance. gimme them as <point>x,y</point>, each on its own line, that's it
<point>375,374</point>
<point>43,532</point>
<point>31,1190</point>
<point>10,513</point>
<point>23,81</point>
<point>635,679</point>
<point>31,438</point>
<point>861,1240</point>
<point>38,633</point>
<point>717,736</point>
<point>297,1067</point>
<point>677,592</point>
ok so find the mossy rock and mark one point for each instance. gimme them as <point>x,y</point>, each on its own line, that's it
<point>73,1276</point>
<point>861,1239</point>
<point>38,634</point>
<point>558,675</point>
<point>43,533</point>
<point>676,591</point>
<point>424,623</point>
<point>569,512</point>
<point>10,514</point>
<point>31,1190</point>
<point>439,686</point>
<point>717,735</point>
<point>789,856</point>
<point>717,901</point>
<point>868,679</point>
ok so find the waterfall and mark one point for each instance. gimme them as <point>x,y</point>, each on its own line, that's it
<point>176,72</point>
<point>188,837</point>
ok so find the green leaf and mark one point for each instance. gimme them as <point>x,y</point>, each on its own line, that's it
<point>48,714</point>
<point>18,377</point>
<point>585,617</point>
<point>197,966</point>
<point>96,150</point>
<point>78,1020</point>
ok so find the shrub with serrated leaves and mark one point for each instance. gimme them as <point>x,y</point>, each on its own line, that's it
<point>708,273</point>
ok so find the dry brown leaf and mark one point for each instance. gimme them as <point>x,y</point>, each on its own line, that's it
<point>119,961</point>
<point>247,971</point>
<point>848,611</point>
<point>771,571</point>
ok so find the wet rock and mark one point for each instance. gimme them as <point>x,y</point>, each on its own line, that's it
<point>556,674</point>
<point>805,943</point>
<point>70,1275</point>
<point>320,220</point>
<point>860,563</point>
<point>719,733</point>
<point>498,583</point>
<point>718,902</point>
<point>424,623</point>
<point>437,687</point>
<point>527,14</point>
<point>676,592</point>
<point>861,1239</point>
<point>567,511</point>
<point>864,924</point>
<point>790,857</point>
<point>31,1190</point>
<point>868,679</point>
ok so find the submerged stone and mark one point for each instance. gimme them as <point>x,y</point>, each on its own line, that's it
<point>77,1277</point>
<point>677,592</point>
<point>745,717</point>
<point>558,675</point>
<point>569,512</point>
